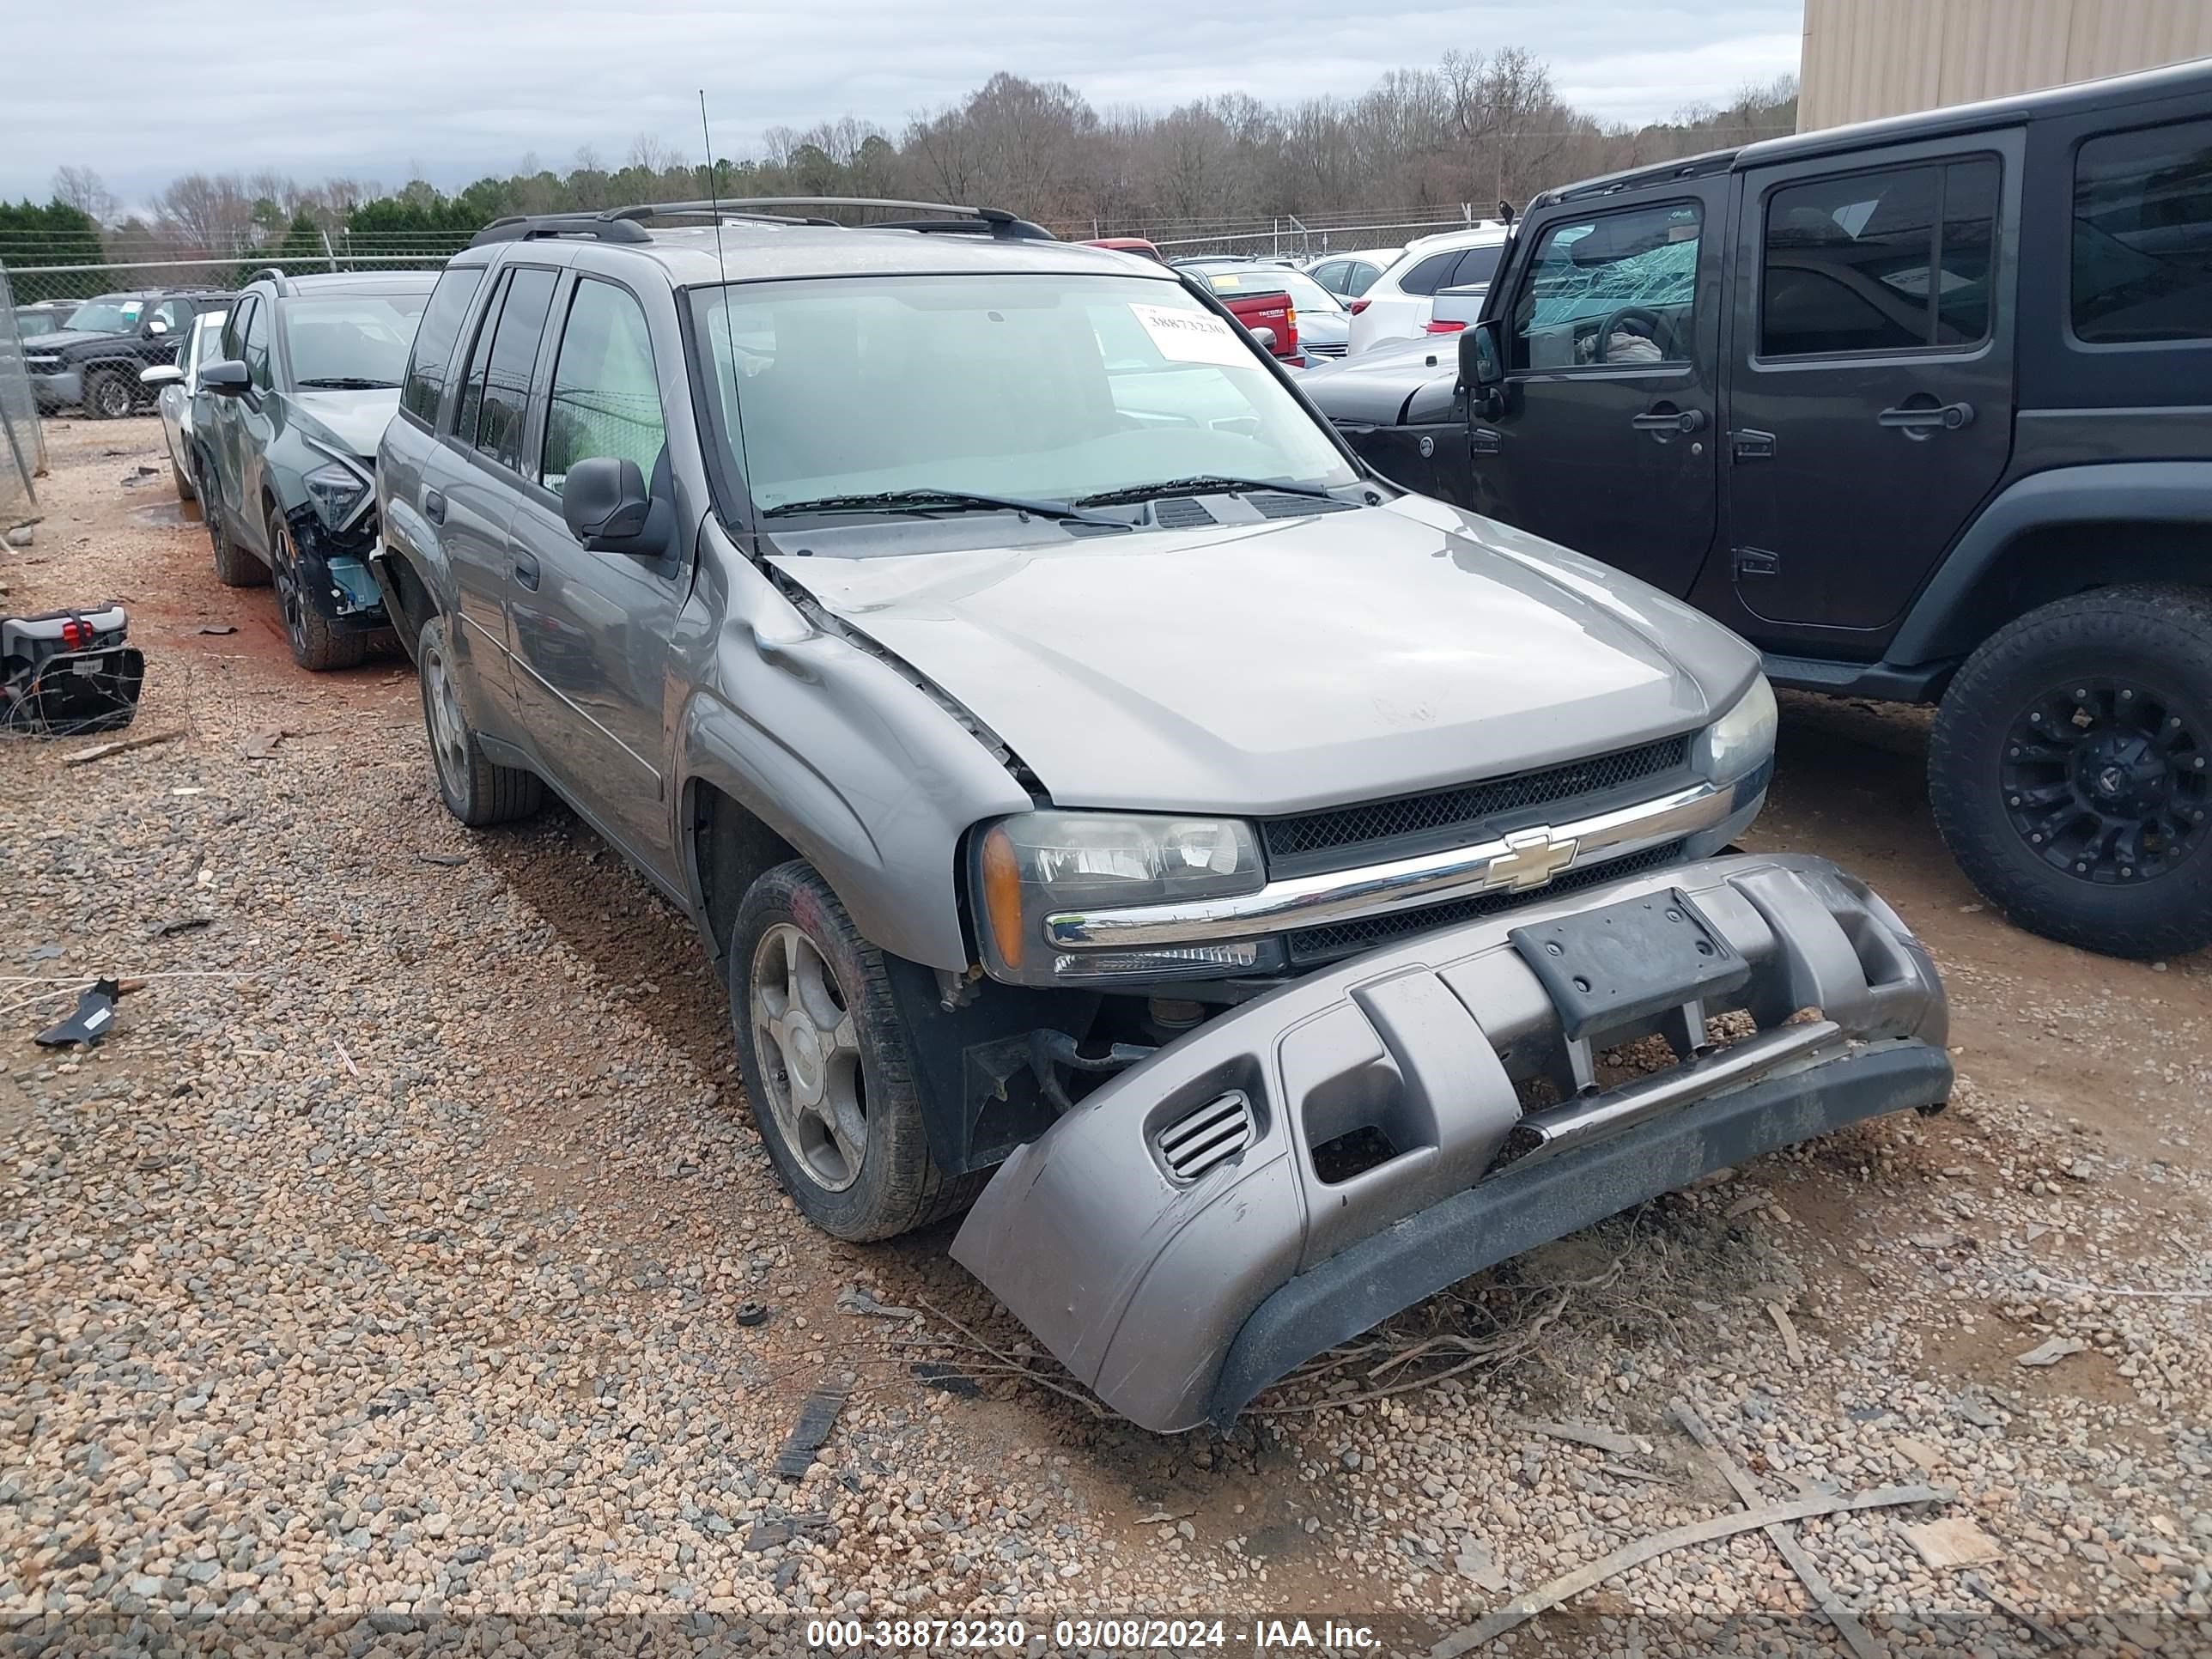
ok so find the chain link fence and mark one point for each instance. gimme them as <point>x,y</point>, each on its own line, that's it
<point>23,453</point>
<point>1284,236</point>
<point>145,262</point>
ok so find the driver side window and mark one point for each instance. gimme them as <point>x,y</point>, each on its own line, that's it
<point>1615,291</point>
<point>254,349</point>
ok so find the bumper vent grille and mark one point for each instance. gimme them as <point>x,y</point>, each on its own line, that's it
<point>1325,839</point>
<point>1212,1134</point>
<point>1311,946</point>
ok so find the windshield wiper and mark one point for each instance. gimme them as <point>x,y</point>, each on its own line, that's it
<point>923,501</point>
<point>1204,484</point>
<point>348,383</point>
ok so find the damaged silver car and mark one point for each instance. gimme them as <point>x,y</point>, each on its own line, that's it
<point>1113,807</point>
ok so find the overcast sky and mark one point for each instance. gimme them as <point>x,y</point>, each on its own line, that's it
<point>470,86</point>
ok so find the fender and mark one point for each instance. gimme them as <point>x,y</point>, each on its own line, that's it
<point>870,778</point>
<point>2133,492</point>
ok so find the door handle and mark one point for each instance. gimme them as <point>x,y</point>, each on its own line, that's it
<point>1669,420</point>
<point>1918,420</point>
<point>525,570</point>
<point>433,506</point>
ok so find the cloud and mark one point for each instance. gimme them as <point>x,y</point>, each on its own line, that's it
<point>466,89</point>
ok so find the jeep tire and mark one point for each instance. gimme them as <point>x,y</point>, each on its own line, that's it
<point>475,791</point>
<point>827,1067</point>
<point>2070,770</point>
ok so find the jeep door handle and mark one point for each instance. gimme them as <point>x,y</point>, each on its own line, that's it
<point>1918,420</point>
<point>433,506</point>
<point>525,570</point>
<point>1669,420</point>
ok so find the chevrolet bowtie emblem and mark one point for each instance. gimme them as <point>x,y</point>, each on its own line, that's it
<point>1531,858</point>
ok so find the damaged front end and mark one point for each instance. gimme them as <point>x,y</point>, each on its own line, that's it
<point>1306,1165</point>
<point>334,574</point>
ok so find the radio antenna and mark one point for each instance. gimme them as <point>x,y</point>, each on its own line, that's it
<point>713,194</point>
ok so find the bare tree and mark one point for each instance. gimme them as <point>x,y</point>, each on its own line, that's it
<point>209,215</point>
<point>648,154</point>
<point>84,190</point>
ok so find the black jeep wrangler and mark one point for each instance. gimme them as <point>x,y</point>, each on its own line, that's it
<point>1923,409</point>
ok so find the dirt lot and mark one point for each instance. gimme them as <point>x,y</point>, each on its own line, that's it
<point>387,1259</point>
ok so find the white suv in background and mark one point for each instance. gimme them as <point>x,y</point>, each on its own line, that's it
<point>1401,302</point>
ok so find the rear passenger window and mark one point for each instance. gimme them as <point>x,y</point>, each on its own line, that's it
<point>434,339</point>
<point>1897,260</point>
<point>496,404</point>
<point>1477,264</point>
<point>1428,276</point>
<point>606,398</point>
<point>2143,235</point>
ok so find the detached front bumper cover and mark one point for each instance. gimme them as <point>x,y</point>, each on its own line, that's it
<point>1175,1244</point>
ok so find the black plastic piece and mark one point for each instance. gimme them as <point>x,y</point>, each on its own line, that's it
<point>816,1418</point>
<point>1605,969</point>
<point>94,1017</point>
<point>1532,1203</point>
<point>751,1313</point>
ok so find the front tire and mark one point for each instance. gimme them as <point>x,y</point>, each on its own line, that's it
<point>234,565</point>
<point>317,645</point>
<point>827,1067</point>
<point>2070,770</point>
<point>106,395</point>
<point>474,790</point>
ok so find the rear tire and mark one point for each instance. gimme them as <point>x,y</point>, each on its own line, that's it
<point>2070,770</point>
<point>474,790</point>
<point>184,485</point>
<point>317,645</point>
<point>833,1053</point>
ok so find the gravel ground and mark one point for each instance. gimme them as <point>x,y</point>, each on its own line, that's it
<point>388,1260</point>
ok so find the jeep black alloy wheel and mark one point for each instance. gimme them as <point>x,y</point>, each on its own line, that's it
<point>2106,780</point>
<point>2070,770</point>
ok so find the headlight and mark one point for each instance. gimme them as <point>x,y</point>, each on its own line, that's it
<point>1042,863</point>
<point>1741,742</point>
<point>336,489</point>
<point>44,365</point>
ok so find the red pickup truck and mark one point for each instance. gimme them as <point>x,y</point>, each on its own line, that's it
<point>1245,293</point>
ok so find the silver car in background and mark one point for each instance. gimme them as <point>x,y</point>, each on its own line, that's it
<point>180,384</point>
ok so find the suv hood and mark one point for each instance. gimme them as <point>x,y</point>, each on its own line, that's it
<point>63,339</point>
<point>1298,663</point>
<point>353,421</point>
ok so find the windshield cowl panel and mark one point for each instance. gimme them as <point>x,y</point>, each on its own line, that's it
<point>1037,389</point>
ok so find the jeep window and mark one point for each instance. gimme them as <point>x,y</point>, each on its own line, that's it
<point>1847,261</point>
<point>435,338</point>
<point>499,383</point>
<point>606,397</point>
<point>254,347</point>
<point>1047,387</point>
<point>174,315</point>
<point>1617,289</point>
<point>350,341</point>
<point>2143,235</point>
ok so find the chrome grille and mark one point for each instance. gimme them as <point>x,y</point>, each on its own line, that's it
<point>1343,938</point>
<point>1342,835</point>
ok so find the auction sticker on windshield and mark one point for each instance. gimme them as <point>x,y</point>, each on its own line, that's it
<point>1194,337</point>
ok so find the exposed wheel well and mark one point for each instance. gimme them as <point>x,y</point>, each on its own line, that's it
<point>2057,560</point>
<point>415,605</point>
<point>730,848</point>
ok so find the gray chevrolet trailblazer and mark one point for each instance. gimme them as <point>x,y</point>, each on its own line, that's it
<point>1116,811</point>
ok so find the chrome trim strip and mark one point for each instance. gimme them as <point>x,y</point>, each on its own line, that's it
<point>1508,862</point>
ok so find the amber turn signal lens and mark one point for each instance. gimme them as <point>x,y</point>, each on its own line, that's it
<point>1002,895</point>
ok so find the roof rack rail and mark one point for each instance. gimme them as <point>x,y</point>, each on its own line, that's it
<point>275,274</point>
<point>943,216</point>
<point>615,226</point>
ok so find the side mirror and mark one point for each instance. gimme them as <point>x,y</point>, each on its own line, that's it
<point>604,501</point>
<point>1481,362</point>
<point>1265,338</point>
<point>157,326</point>
<point>225,380</point>
<point>161,374</point>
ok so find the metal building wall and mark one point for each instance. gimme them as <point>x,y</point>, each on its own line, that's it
<point>1864,58</point>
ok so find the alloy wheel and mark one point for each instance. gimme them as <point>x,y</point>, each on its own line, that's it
<point>2108,780</point>
<point>291,601</point>
<point>809,1046</point>
<point>449,731</point>
<point>111,398</point>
